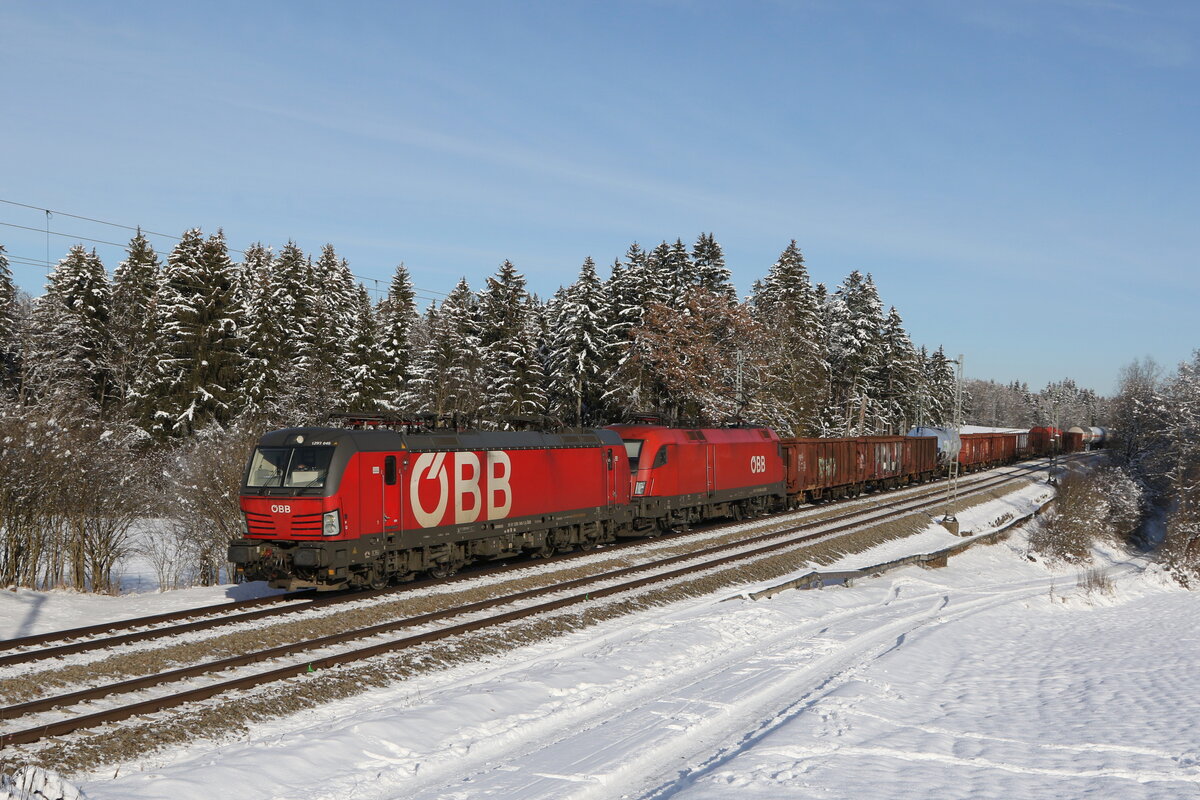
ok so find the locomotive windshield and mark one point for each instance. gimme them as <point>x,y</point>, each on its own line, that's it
<point>289,467</point>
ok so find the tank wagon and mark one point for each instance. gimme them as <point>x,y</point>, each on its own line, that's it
<point>1085,438</point>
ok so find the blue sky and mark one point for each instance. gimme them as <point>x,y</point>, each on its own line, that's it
<point>1021,178</point>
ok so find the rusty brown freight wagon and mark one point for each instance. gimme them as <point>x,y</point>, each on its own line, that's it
<point>816,469</point>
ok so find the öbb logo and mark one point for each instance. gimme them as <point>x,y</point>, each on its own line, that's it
<point>471,492</point>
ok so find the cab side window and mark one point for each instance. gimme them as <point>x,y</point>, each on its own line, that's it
<point>389,470</point>
<point>660,458</point>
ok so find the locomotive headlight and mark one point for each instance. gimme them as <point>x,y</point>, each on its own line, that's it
<point>331,523</point>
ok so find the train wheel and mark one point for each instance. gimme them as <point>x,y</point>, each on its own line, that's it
<point>377,578</point>
<point>440,571</point>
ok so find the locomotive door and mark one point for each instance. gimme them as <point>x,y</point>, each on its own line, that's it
<point>610,475</point>
<point>390,495</point>
<point>710,468</point>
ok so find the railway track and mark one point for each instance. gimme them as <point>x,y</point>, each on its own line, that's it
<point>56,644</point>
<point>475,616</point>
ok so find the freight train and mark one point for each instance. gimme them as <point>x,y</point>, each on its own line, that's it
<point>332,508</point>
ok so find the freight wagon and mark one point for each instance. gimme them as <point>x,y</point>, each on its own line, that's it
<point>818,469</point>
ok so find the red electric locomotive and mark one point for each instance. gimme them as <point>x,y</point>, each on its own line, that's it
<point>330,508</point>
<point>682,476</point>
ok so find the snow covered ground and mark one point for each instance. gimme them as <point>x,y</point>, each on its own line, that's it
<point>995,677</point>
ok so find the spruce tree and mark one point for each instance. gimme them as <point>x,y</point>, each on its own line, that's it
<point>200,365</point>
<point>293,301</point>
<point>332,331</point>
<point>71,345</point>
<point>264,331</point>
<point>660,283</point>
<point>899,377</point>
<point>626,291</point>
<point>939,390</point>
<point>680,274</point>
<point>785,303</point>
<point>365,385</point>
<point>8,327</point>
<point>512,366</point>
<point>397,323</point>
<point>856,315</point>
<point>709,263</point>
<point>134,318</point>
<point>448,373</point>
<point>579,349</point>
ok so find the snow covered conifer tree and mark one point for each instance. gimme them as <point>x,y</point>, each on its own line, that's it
<point>709,264</point>
<point>939,390</point>
<point>512,367</point>
<point>333,330</point>
<point>579,349</point>
<point>447,374</point>
<point>625,289</point>
<point>680,273</point>
<point>199,350</point>
<point>397,321</point>
<point>661,282</point>
<point>71,343</point>
<point>293,302</point>
<point>8,326</point>
<point>786,304</point>
<point>134,317</point>
<point>855,350</point>
<point>899,377</point>
<point>263,330</point>
<point>367,361</point>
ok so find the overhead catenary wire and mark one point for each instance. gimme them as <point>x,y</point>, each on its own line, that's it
<point>421,293</point>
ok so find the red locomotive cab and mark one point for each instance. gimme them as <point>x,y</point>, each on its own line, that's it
<point>289,493</point>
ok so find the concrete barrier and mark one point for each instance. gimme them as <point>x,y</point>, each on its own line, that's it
<point>934,560</point>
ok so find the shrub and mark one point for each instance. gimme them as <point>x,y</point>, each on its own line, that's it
<point>1104,505</point>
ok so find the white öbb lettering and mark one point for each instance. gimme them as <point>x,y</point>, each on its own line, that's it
<point>758,464</point>
<point>281,509</point>
<point>471,492</point>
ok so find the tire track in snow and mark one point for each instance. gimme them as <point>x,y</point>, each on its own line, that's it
<point>618,744</point>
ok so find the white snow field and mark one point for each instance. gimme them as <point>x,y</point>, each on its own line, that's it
<point>996,677</point>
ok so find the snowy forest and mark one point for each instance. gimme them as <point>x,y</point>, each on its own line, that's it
<point>128,404</point>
